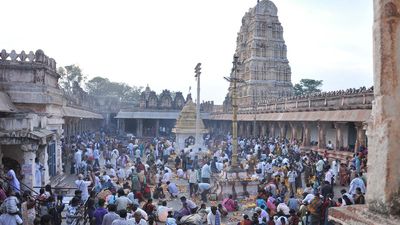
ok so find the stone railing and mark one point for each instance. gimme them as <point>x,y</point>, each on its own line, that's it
<point>38,57</point>
<point>335,100</point>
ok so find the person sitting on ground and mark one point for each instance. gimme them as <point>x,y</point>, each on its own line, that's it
<point>158,192</point>
<point>180,173</point>
<point>262,214</point>
<point>149,208</point>
<point>246,220</point>
<point>222,210</point>
<point>172,189</point>
<point>189,204</point>
<point>230,204</point>
<point>359,197</point>
<point>283,209</point>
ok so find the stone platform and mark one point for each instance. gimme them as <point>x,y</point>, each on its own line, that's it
<point>359,215</point>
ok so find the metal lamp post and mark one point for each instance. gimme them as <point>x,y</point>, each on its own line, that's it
<point>234,80</point>
<point>197,70</point>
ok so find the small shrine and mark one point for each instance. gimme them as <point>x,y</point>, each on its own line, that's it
<point>185,127</point>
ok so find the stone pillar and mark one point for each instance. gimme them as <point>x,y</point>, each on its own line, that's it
<point>281,130</point>
<point>139,128</point>
<point>383,193</point>
<point>248,129</point>
<point>321,135</point>
<point>157,127</point>
<point>255,130</point>
<point>293,126</point>
<point>240,129</point>
<point>59,163</point>
<point>272,130</point>
<point>263,129</point>
<point>360,138</point>
<point>339,135</point>
<point>306,134</point>
<point>72,130</point>
<point>228,128</point>
<point>43,158</point>
<point>29,155</point>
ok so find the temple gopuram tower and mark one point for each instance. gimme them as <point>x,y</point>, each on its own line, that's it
<point>262,62</point>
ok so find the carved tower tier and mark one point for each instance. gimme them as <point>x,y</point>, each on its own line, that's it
<point>263,64</point>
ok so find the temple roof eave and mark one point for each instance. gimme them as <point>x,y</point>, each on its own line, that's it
<point>357,115</point>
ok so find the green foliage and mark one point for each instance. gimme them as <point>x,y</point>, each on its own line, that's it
<point>307,86</point>
<point>71,75</point>
<point>104,87</point>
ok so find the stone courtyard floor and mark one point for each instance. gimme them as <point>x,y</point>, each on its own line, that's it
<point>246,204</point>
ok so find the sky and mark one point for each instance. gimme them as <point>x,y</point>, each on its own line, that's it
<point>159,42</point>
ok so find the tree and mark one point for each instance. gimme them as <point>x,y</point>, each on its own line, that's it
<point>307,86</point>
<point>69,75</point>
<point>98,86</point>
<point>103,87</point>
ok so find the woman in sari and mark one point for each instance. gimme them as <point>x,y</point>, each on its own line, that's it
<point>230,204</point>
<point>135,182</point>
<point>344,176</point>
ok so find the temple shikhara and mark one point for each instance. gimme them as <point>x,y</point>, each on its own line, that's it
<point>262,131</point>
<point>261,50</point>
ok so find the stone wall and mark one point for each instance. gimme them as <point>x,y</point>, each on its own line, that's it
<point>335,100</point>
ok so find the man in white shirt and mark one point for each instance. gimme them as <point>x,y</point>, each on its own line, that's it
<point>206,173</point>
<point>329,176</point>
<point>83,186</point>
<point>135,209</point>
<point>357,182</point>
<point>114,157</point>
<point>137,219</point>
<point>77,160</point>
<point>329,146</point>
<point>214,217</point>
<point>193,178</point>
<point>308,198</point>
<point>204,189</point>
<point>7,219</point>
<point>292,175</point>
<point>319,167</point>
<point>122,201</point>
<point>282,207</point>
<point>166,177</point>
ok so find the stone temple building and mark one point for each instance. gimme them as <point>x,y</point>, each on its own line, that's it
<point>262,59</point>
<point>35,115</point>
<point>156,115</point>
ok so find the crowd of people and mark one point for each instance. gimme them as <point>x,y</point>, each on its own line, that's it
<point>147,181</point>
